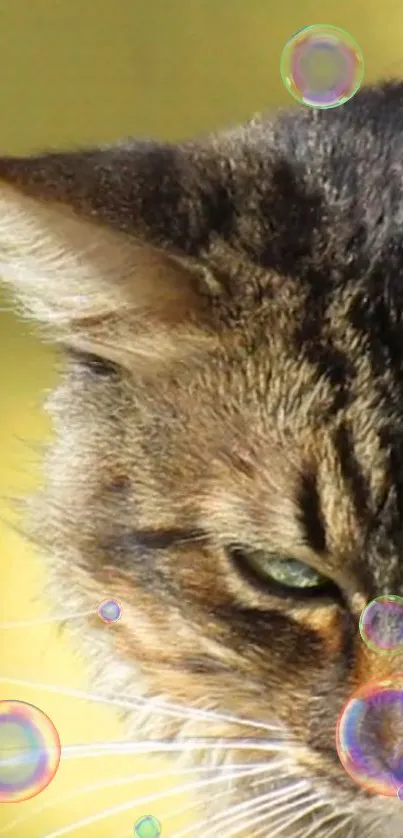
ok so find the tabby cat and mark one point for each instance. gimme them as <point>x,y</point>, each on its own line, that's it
<point>228,461</point>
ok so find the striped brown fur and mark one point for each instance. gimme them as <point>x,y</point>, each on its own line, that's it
<point>231,315</point>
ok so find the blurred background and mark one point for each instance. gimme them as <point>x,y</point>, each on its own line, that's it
<point>76,72</point>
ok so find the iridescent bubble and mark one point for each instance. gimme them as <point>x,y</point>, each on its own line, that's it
<point>369,736</point>
<point>29,751</point>
<point>400,793</point>
<point>109,611</point>
<point>322,66</point>
<point>148,827</point>
<point>381,625</point>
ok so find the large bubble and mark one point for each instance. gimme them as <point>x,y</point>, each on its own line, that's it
<point>322,66</point>
<point>29,751</point>
<point>369,736</point>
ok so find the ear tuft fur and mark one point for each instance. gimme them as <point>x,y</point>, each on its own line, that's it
<point>96,288</point>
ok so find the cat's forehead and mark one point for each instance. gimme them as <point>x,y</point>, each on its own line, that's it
<point>345,174</point>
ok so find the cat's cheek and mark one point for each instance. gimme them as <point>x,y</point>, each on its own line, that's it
<point>150,630</point>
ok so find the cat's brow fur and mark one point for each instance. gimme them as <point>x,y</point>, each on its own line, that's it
<point>231,314</point>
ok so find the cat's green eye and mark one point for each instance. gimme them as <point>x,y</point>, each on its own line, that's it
<point>288,573</point>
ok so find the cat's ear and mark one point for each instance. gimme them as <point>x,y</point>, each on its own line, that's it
<point>106,246</point>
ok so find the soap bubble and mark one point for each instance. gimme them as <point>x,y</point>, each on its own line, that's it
<point>29,751</point>
<point>148,827</point>
<point>109,611</point>
<point>369,736</point>
<point>381,625</point>
<point>322,66</point>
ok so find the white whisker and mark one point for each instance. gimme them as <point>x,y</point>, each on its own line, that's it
<point>150,746</point>
<point>238,821</point>
<point>199,802</point>
<point>339,826</point>
<point>290,806</point>
<point>204,714</point>
<point>123,807</point>
<point>148,702</point>
<point>238,809</point>
<point>194,804</point>
<point>95,749</point>
<point>330,817</point>
<point>267,808</point>
<point>281,825</point>
<point>276,796</point>
<point>260,782</point>
<point>107,784</point>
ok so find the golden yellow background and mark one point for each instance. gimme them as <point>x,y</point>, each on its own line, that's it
<point>82,71</point>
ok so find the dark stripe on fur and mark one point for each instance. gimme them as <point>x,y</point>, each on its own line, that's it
<point>311,513</point>
<point>351,470</point>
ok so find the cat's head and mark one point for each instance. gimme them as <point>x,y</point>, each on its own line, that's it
<point>228,461</point>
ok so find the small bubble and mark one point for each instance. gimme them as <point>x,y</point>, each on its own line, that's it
<point>322,66</point>
<point>148,827</point>
<point>109,611</point>
<point>381,625</point>
<point>29,751</point>
<point>369,736</point>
